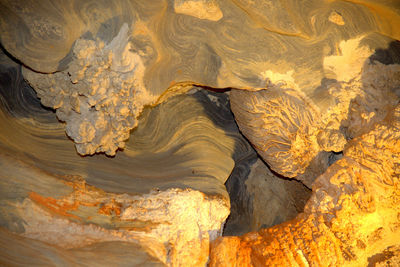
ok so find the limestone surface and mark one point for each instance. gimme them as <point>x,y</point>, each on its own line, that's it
<point>290,131</point>
<point>313,86</point>
<point>264,200</point>
<point>164,195</point>
<point>202,9</point>
<point>99,96</point>
<point>281,124</point>
<point>23,251</point>
<point>239,44</point>
<point>351,218</point>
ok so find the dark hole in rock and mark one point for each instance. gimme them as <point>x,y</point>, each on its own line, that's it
<point>261,198</point>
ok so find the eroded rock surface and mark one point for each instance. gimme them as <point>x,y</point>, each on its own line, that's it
<point>291,131</point>
<point>263,200</point>
<point>239,44</point>
<point>352,214</point>
<point>322,76</point>
<point>281,124</point>
<point>100,94</point>
<point>164,195</point>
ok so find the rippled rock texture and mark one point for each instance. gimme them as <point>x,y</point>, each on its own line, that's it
<point>160,87</point>
<point>163,197</point>
<point>112,59</point>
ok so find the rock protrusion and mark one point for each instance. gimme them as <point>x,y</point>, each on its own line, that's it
<point>100,94</point>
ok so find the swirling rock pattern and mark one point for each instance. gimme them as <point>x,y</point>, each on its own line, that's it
<point>22,251</point>
<point>165,194</point>
<point>240,44</point>
<point>200,9</point>
<point>319,63</point>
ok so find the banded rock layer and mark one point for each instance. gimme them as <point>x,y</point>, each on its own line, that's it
<point>314,86</point>
<point>163,196</point>
<point>88,49</point>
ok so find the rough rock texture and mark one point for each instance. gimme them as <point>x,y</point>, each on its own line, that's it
<point>264,200</point>
<point>100,94</point>
<point>364,90</point>
<point>351,217</point>
<point>366,99</point>
<point>389,257</point>
<point>174,226</point>
<point>281,125</point>
<point>164,195</point>
<point>325,74</point>
<point>241,44</point>
<point>289,130</point>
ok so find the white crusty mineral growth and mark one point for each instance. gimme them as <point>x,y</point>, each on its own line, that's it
<point>288,129</point>
<point>351,217</point>
<point>176,225</point>
<point>100,94</point>
<point>364,92</point>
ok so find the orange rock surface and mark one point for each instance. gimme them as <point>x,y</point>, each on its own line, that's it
<point>351,217</point>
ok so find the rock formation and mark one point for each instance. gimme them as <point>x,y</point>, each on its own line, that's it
<point>163,194</point>
<point>100,94</point>
<point>217,117</point>
<point>351,215</point>
<point>264,200</point>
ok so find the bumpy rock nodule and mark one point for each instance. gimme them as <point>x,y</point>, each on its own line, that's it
<point>280,124</point>
<point>100,94</point>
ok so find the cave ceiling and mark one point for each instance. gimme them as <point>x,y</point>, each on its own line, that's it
<point>195,132</point>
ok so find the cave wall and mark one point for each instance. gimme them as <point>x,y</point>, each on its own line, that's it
<point>143,131</point>
<point>97,45</point>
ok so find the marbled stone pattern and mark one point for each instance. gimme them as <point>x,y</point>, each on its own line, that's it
<point>163,192</point>
<point>240,44</point>
<point>340,57</point>
<point>251,38</point>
